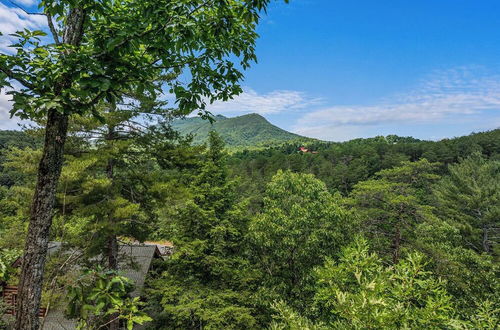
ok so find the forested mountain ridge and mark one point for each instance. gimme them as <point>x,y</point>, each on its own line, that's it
<point>251,130</point>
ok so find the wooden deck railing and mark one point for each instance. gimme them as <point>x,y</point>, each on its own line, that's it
<point>9,296</point>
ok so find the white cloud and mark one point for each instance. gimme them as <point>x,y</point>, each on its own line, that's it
<point>5,105</point>
<point>329,133</point>
<point>443,97</point>
<point>14,19</point>
<point>270,103</point>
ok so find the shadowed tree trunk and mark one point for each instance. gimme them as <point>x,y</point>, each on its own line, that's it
<point>30,285</point>
<point>112,240</point>
<point>49,170</point>
<point>113,264</point>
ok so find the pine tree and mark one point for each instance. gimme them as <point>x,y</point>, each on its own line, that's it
<point>391,205</point>
<point>205,284</point>
<point>470,197</point>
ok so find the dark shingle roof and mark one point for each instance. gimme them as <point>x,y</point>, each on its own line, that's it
<point>134,262</point>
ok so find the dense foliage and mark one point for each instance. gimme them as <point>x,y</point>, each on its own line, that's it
<point>378,233</point>
<point>341,165</point>
<point>300,224</point>
<point>205,283</point>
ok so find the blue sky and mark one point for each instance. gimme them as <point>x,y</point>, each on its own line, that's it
<point>429,69</point>
<point>338,70</point>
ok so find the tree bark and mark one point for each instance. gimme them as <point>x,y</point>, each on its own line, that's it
<point>112,252</point>
<point>49,170</point>
<point>112,240</point>
<point>113,264</point>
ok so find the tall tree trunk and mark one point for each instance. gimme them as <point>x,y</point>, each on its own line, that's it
<point>112,247</point>
<point>113,264</point>
<point>112,240</point>
<point>112,252</point>
<point>49,170</point>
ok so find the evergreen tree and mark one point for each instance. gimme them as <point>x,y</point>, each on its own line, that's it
<point>470,197</point>
<point>464,245</point>
<point>15,200</point>
<point>206,282</point>
<point>471,278</point>
<point>391,205</point>
<point>104,193</point>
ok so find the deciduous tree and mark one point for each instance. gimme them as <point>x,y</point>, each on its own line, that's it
<point>301,223</point>
<point>358,292</point>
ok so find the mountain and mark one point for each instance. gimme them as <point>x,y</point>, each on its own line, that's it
<point>250,130</point>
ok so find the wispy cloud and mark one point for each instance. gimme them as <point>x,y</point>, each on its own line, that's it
<point>444,96</point>
<point>269,103</point>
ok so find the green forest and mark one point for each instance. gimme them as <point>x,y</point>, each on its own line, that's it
<point>120,210</point>
<point>389,232</point>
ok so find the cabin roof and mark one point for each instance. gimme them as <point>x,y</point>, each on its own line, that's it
<point>134,262</point>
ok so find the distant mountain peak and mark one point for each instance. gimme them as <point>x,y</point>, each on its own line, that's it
<point>249,130</point>
<point>253,114</point>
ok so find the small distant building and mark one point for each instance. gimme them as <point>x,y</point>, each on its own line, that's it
<point>306,150</point>
<point>134,262</point>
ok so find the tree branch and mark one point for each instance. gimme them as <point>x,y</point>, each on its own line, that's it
<point>24,10</point>
<point>11,74</point>
<point>53,29</point>
<point>93,101</point>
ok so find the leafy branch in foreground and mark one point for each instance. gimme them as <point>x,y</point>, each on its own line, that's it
<point>99,294</point>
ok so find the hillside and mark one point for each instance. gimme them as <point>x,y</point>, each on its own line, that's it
<point>250,130</point>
